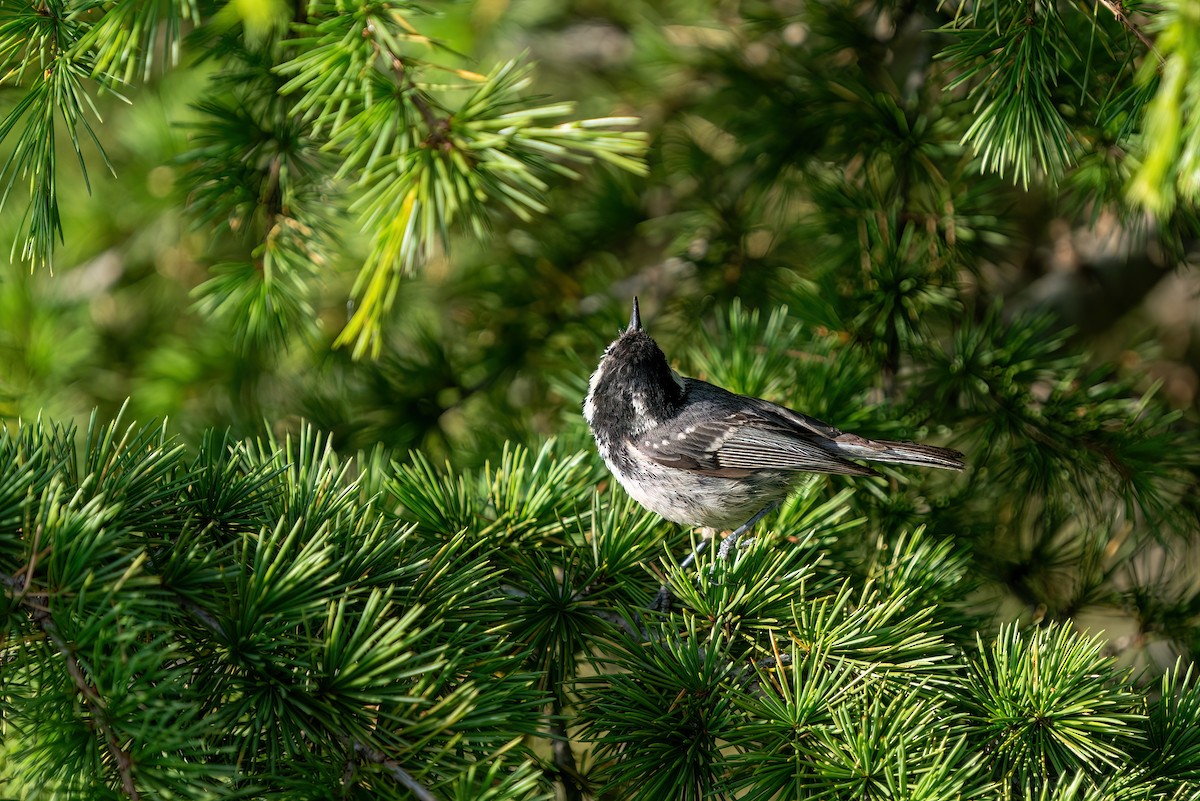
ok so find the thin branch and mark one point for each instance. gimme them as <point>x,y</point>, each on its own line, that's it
<point>348,776</point>
<point>1118,12</point>
<point>191,607</point>
<point>38,604</point>
<point>564,757</point>
<point>398,773</point>
<point>633,629</point>
<point>200,613</point>
<point>27,570</point>
<point>438,126</point>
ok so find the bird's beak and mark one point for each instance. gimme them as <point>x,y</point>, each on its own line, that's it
<point>635,319</point>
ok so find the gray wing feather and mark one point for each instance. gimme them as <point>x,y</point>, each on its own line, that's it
<point>775,450</point>
<point>729,435</point>
<point>723,434</point>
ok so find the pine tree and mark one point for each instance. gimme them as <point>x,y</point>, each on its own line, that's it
<point>316,111</point>
<point>265,619</point>
<point>863,209</point>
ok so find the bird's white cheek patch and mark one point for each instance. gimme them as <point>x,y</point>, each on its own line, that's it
<point>589,405</point>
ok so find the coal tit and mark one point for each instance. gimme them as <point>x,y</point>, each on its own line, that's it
<point>702,456</point>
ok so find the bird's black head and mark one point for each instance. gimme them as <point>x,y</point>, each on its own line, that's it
<point>634,388</point>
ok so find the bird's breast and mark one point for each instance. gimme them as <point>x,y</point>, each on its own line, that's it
<point>693,498</point>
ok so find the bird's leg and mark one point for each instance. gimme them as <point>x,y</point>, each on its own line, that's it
<point>731,541</point>
<point>707,535</point>
<point>662,601</point>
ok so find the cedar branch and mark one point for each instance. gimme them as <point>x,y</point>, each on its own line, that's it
<point>1118,12</point>
<point>38,604</point>
<point>398,773</point>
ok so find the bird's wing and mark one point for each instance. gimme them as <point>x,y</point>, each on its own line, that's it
<point>740,443</point>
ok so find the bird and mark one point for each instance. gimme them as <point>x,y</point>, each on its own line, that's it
<point>700,455</point>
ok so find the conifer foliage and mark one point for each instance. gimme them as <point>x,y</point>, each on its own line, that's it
<point>852,199</point>
<point>317,111</point>
<point>267,620</point>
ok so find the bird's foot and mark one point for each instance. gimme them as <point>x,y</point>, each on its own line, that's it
<point>732,540</point>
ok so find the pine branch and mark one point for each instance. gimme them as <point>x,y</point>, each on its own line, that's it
<point>1117,10</point>
<point>399,774</point>
<point>564,758</point>
<point>38,604</point>
<point>436,126</point>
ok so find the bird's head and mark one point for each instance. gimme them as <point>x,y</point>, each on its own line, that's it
<point>634,384</point>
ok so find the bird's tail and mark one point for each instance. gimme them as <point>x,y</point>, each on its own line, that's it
<point>914,453</point>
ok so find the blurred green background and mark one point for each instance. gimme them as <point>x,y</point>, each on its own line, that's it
<point>790,144</point>
<point>775,128</point>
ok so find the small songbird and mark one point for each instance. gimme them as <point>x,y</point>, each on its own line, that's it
<point>702,456</point>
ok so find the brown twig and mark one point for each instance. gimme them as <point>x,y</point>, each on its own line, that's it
<point>1118,12</point>
<point>38,604</point>
<point>348,776</point>
<point>438,127</point>
<point>200,613</point>
<point>398,773</point>
<point>26,572</point>
<point>564,758</point>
